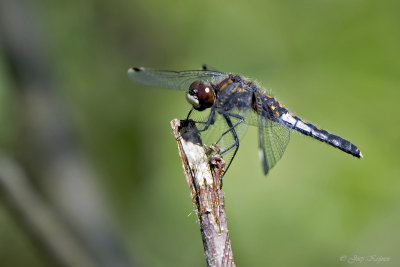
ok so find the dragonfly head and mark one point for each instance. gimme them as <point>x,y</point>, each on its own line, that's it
<point>200,96</point>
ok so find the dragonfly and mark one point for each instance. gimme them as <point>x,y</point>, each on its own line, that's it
<point>233,103</point>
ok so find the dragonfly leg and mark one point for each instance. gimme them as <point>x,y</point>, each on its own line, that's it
<point>188,116</point>
<point>190,112</point>
<point>235,137</point>
<point>208,122</point>
<point>241,119</point>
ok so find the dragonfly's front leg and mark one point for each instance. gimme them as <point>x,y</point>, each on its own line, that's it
<point>207,123</point>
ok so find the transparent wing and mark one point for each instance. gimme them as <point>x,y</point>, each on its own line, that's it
<point>273,139</point>
<point>178,80</point>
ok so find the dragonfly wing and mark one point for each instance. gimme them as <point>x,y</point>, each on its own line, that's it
<point>273,138</point>
<point>178,80</point>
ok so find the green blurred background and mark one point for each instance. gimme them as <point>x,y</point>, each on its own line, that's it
<point>334,63</point>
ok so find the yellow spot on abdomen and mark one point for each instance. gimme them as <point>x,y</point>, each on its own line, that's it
<point>277,113</point>
<point>273,107</point>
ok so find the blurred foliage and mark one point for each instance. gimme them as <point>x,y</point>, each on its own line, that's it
<point>335,63</point>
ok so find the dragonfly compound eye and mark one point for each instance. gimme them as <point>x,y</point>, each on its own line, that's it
<point>200,96</point>
<point>205,95</point>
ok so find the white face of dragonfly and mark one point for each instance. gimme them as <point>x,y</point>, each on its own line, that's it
<point>192,100</point>
<point>200,96</point>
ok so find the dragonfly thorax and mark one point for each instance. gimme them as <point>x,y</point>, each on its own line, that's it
<point>200,96</point>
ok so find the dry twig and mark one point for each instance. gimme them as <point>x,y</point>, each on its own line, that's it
<point>204,177</point>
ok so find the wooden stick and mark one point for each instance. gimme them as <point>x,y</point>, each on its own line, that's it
<point>204,177</point>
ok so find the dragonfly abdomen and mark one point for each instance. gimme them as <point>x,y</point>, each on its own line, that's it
<point>317,133</point>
